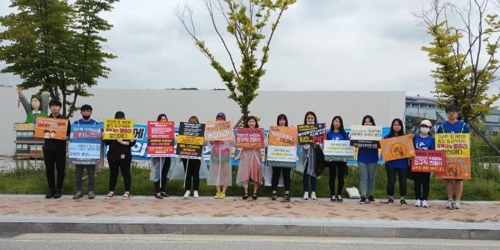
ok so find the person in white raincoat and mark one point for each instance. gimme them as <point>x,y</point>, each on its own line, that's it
<point>220,171</point>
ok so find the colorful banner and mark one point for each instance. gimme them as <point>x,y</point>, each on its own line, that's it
<point>85,144</point>
<point>429,161</point>
<point>219,130</point>
<point>282,136</point>
<point>161,135</point>
<point>249,138</point>
<point>311,133</point>
<point>281,156</point>
<point>454,144</point>
<point>366,136</point>
<point>456,168</point>
<point>338,150</point>
<point>51,128</point>
<point>115,129</point>
<point>399,147</point>
<point>190,140</point>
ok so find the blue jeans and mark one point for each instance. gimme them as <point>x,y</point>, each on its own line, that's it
<point>305,181</point>
<point>367,175</point>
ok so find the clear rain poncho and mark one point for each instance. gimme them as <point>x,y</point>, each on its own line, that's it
<point>250,167</point>
<point>220,171</point>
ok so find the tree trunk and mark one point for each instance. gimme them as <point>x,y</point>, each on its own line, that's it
<point>484,138</point>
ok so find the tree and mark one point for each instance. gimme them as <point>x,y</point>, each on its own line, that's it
<point>465,57</point>
<point>54,46</point>
<point>246,23</point>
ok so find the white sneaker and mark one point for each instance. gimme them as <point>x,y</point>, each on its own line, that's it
<point>424,203</point>
<point>418,203</point>
<point>186,195</point>
<point>313,196</point>
<point>306,196</point>
<point>196,195</point>
<point>457,205</point>
<point>449,204</point>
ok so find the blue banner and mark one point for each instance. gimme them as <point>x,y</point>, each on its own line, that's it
<point>85,144</point>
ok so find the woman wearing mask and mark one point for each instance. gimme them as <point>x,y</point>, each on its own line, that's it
<point>307,161</point>
<point>423,141</point>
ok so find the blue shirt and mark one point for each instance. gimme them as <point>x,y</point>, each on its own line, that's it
<point>457,127</point>
<point>368,155</point>
<point>337,136</point>
<point>399,163</point>
<point>424,143</point>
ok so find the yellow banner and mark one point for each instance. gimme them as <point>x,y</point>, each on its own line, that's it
<point>455,144</point>
<point>191,140</point>
<point>115,129</point>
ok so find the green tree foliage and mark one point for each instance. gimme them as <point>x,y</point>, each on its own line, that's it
<point>246,23</point>
<point>465,56</point>
<point>55,46</point>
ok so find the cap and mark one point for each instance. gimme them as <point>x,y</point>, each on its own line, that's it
<point>86,107</point>
<point>119,114</point>
<point>426,123</point>
<point>220,114</point>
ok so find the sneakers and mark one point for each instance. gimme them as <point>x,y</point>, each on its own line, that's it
<point>332,198</point>
<point>187,194</point>
<point>91,195</point>
<point>164,194</point>
<point>313,196</point>
<point>424,203</point>
<point>78,195</point>
<point>363,200</point>
<point>449,204</point>
<point>457,205</point>
<point>50,194</point>
<point>286,197</point>
<point>110,195</point>
<point>158,196</point>
<point>339,198</point>
<point>222,195</point>
<point>371,199</point>
<point>57,194</point>
<point>418,203</point>
<point>306,196</point>
<point>217,195</point>
<point>274,196</point>
<point>126,196</point>
<point>390,202</point>
<point>403,202</point>
<point>195,194</point>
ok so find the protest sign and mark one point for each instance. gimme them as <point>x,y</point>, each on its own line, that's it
<point>457,148</point>
<point>249,138</point>
<point>85,144</point>
<point>51,128</point>
<point>366,136</point>
<point>219,130</point>
<point>311,133</point>
<point>161,135</point>
<point>399,147</point>
<point>282,136</point>
<point>281,156</point>
<point>429,161</point>
<point>190,140</point>
<point>338,150</point>
<point>115,129</point>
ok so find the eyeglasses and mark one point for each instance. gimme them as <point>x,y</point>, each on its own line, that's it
<point>451,112</point>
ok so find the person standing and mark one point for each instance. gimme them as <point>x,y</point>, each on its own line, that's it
<point>54,155</point>
<point>396,167</point>
<point>307,161</point>
<point>86,112</point>
<point>160,179</point>
<point>337,168</point>
<point>281,171</point>
<point>453,125</point>
<point>367,164</point>
<point>423,141</point>
<point>192,170</point>
<point>119,158</point>
<point>220,171</point>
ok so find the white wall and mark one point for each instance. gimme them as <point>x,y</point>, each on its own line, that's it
<point>179,105</point>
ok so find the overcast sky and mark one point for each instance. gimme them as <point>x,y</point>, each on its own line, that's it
<point>319,45</point>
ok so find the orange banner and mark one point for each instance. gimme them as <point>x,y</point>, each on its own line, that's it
<point>457,168</point>
<point>219,130</point>
<point>282,136</point>
<point>51,128</point>
<point>397,148</point>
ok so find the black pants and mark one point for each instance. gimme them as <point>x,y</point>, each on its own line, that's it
<point>391,180</point>
<point>164,171</point>
<point>276,177</point>
<point>421,180</point>
<point>114,169</point>
<point>192,171</point>
<point>337,168</point>
<point>55,158</point>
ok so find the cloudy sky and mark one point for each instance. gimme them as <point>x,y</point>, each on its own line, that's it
<point>319,45</point>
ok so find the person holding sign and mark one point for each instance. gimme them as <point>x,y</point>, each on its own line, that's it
<point>337,132</point>
<point>86,112</point>
<point>249,169</point>
<point>453,125</point>
<point>192,170</point>
<point>367,163</point>
<point>281,171</point>
<point>399,167</point>
<point>423,141</point>
<point>161,183</point>
<point>307,161</point>
<point>220,172</point>
<point>54,154</point>
<point>119,158</point>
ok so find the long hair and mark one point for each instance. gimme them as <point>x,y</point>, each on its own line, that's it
<point>370,118</point>
<point>401,132</point>
<point>160,116</point>
<point>341,129</point>
<point>282,117</point>
<point>251,118</point>
<point>310,113</point>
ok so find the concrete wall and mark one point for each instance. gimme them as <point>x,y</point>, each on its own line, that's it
<point>179,105</point>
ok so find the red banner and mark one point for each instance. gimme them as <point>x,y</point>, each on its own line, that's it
<point>429,161</point>
<point>250,138</point>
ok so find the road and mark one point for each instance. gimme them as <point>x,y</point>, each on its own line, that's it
<point>207,242</point>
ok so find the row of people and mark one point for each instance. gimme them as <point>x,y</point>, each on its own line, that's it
<point>249,171</point>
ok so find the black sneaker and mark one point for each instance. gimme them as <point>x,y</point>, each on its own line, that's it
<point>371,199</point>
<point>274,196</point>
<point>339,198</point>
<point>332,198</point>
<point>287,197</point>
<point>50,194</point>
<point>363,200</point>
<point>57,194</point>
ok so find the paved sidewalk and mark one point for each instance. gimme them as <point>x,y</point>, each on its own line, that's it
<point>205,215</point>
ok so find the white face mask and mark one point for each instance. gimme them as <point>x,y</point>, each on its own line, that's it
<point>309,123</point>
<point>424,130</point>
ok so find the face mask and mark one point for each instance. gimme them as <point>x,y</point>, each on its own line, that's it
<point>424,130</point>
<point>309,123</point>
